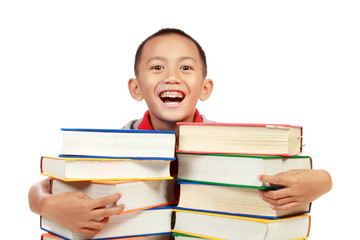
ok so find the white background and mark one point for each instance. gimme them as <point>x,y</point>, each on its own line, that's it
<point>66,64</point>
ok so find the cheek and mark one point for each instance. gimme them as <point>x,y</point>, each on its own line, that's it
<point>195,94</point>
<point>196,88</point>
<point>147,88</point>
<point>194,83</point>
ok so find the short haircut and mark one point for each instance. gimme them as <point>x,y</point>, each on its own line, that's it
<point>166,31</point>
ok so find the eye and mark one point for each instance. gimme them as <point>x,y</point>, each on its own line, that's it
<point>185,68</point>
<point>157,67</point>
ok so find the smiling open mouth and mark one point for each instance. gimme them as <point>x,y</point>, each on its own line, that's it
<point>172,97</point>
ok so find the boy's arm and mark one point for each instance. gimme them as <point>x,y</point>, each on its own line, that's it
<point>37,192</point>
<point>74,210</point>
<point>301,187</point>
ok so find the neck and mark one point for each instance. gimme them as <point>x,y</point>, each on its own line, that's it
<point>165,126</point>
<point>158,124</point>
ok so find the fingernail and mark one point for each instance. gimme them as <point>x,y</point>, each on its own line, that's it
<point>123,206</point>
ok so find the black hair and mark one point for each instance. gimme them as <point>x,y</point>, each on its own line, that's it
<point>166,31</point>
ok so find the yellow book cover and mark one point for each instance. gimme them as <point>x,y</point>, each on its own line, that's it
<point>231,226</point>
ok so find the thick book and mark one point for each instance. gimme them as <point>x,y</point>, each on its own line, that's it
<point>49,236</point>
<point>118,143</point>
<point>222,226</point>
<point>155,221</point>
<point>86,168</point>
<point>230,199</point>
<point>236,169</point>
<point>255,139</point>
<point>136,195</point>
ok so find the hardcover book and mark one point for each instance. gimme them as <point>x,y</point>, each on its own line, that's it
<point>118,143</point>
<point>264,139</point>
<point>155,221</point>
<point>179,236</point>
<point>230,199</point>
<point>236,169</point>
<point>223,226</point>
<point>86,168</point>
<point>49,236</point>
<point>157,192</point>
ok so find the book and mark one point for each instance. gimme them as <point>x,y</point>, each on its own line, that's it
<point>264,139</point>
<point>222,226</point>
<point>179,236</point>
<point>136,195</point>
<point>223,198</point>
<point>49,236</point>
<point>141,223</point>
<point>118,143</point>
<point>86,168</point>
<point>236,169</point>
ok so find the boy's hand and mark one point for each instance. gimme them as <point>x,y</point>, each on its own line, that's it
<point>301,187</point>
<point>77,212</point>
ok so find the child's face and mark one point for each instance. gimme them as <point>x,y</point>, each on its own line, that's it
<point>170,79</point>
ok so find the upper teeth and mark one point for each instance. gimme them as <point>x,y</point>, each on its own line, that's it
<point>172,94</point>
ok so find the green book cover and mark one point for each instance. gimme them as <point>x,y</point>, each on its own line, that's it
<point>187,181</point>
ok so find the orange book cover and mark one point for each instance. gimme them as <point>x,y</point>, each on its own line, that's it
<point>66,160</point>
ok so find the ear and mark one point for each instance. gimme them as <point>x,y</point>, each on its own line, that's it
<point>134,89</point>
<point>206,90</point>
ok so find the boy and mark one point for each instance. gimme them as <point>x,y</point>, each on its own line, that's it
<point>170,69</point>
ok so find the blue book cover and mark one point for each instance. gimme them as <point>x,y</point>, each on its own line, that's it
<point>118,143</point>
<point>117,130</point>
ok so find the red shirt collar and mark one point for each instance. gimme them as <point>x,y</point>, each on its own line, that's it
<point>145,123</point>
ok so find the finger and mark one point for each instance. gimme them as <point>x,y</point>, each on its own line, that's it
<point>278,202</point>
<point>100,202</point>
<point>276,194</point>
<point>107,212</point>
<point>88,232</point>
<point>97,225</point>
<point>276,180</point>
<point>285,207</point>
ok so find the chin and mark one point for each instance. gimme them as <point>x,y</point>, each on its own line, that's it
<point>178,118</point>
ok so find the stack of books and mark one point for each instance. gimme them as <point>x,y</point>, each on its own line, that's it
<point>219,165</point>
<point>101,162</point>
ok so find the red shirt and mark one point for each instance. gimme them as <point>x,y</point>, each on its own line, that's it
<point>145,123</point>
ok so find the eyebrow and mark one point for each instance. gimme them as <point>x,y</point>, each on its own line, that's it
<point>156,58</point>
<point>164,59</point>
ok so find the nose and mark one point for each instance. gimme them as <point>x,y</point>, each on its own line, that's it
<point>172,77</point>
<point>171,80</point>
